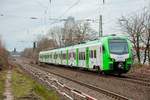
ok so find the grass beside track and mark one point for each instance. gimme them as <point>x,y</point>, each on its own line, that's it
<point>25,88</point>
<point>2,83</point>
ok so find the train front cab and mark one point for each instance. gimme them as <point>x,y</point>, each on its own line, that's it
<point>116,55</point>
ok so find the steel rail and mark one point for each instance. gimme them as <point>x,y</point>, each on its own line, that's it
<point>123,78</point>
<point>98,89</point>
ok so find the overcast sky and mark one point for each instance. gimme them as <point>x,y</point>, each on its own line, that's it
<point>16,25</point>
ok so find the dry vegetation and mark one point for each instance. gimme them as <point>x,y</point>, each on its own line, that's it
<point>3,66</point>
<point>2,83</point>
<point>25,88</point>
<point>3,57</point>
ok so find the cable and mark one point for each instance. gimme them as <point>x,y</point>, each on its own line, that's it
<point>39,3</point>
<point>76,3</point>
<point>67,10</point>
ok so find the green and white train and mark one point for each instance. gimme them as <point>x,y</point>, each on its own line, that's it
<point>109,54</point>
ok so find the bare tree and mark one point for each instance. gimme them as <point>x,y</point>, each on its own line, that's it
<point>56,34</point>
<point>72,32</point>
<point>68,31</point>
<point>145,37</point>
<point>43,43</point>
<point>76,31</point>
<point>28,52</point>
<point>137,26</point>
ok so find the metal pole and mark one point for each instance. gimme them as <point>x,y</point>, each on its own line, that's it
<point>100,26</point>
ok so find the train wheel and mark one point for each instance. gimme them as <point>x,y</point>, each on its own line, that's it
<point>99,70</point>
<point>119,74</point>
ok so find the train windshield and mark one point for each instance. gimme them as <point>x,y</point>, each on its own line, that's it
<point>118,46</point>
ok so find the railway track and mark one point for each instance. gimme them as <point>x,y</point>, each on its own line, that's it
<point>100,90</point>
<point>106,92</point>
<point>135,80</point>
<point>140,78</point>
<point>127,78</point>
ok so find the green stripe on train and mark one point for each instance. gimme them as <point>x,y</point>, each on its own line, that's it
<point>87,57</point>
<point>67,56</point>
<point>77,57</point>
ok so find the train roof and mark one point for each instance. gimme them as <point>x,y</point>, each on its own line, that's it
<point>85,43</point>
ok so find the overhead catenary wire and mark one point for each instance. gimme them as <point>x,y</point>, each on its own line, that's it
<point>58,19</point>
<point>66,11</point>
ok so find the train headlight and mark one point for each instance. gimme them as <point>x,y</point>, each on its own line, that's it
<point>120,65</point>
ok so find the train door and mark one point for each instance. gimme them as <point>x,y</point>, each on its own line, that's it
<point>69,57</point>
<point>82,61</point>
<point>100,60</point>
<point>94,56</point>
<point>64,57</point>
<point>61,58</point>
<point>48,57</point>
<point>57,57</point>
<point>73,57</point>
<point>52,57</point>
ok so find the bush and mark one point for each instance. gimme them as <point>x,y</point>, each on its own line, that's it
<point>3,62</point>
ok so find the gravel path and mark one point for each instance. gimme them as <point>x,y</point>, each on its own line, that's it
<point>8,90</point>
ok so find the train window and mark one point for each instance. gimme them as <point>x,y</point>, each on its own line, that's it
<point>82,56</point>
<point>94,53</point>
<point>69,55</point>
<point>53,56</point>
<point>64,56</point>
<point>91,54</point>
<point>74,55</point>
<point>59,56</point>
<point>103,48</point>
<point>56,56</point>
<point>79,56</point>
